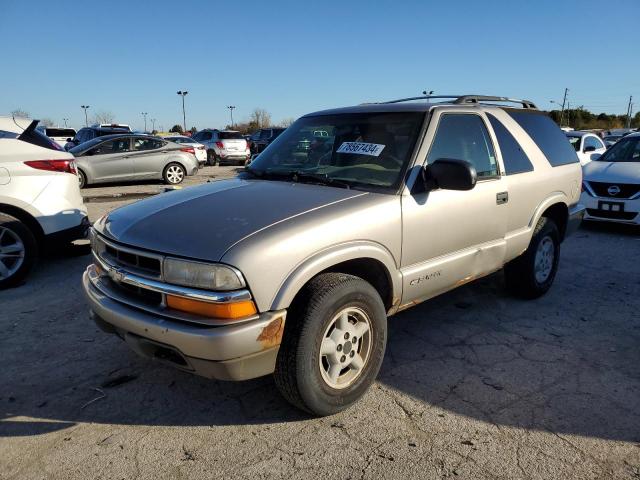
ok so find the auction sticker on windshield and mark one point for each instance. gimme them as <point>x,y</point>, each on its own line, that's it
<point>361,148</point>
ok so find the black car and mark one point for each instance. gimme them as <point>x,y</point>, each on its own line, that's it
<point>263,137</point>
<point>89,133</point>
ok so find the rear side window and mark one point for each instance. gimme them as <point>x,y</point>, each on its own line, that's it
<point>547,135</point>
<point>140,144</point>
<point>230,136</point>
<point>513,157</point>
<point>464,137</point>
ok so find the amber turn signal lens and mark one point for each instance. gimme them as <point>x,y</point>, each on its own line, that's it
<point>233,310</point>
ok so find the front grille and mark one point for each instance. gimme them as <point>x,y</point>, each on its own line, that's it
<point>594,212</point>
<point>130,260</point>
<point>627,190</point>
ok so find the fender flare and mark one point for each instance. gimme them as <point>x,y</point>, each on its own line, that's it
<point>324,259</point>
<point>552,199</point>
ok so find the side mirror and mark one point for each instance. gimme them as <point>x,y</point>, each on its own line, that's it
<point>69,139</point>
<point>450,174</point>
<point>590,148</point>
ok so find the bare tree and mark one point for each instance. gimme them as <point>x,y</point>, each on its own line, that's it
<point>286,122</point>
<point>47,122</point>
<point>103,116</point>
<point>260,118</point>
<point>18,112</point>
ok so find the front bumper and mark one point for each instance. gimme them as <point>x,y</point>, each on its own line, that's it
<point>229,352</point>
<point>628,209</point>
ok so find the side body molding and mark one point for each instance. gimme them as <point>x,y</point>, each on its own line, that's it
<point>329,257</point>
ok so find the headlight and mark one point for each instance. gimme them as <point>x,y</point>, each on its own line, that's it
<point>201,275</point>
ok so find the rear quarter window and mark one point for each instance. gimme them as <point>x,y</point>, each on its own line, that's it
<point>513,157</point>
<point>547,135</point>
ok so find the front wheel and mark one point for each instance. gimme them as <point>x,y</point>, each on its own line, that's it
<point>18,251</point>
<point>532,273</point>
<point>333,344</point>
<point>174,174</point>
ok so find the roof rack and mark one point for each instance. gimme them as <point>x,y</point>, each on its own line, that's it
<point>472,99</point>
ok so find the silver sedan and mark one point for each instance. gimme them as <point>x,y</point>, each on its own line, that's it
<point>127,157</point>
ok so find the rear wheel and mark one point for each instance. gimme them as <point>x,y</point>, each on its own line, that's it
<point>174,174</point>
<point>82,179</point>
<point>333,345</point>
<point>212,158</point>
<point>532,273</point>
<point>18,251</point>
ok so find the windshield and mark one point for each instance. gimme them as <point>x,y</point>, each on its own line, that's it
<point>370,150</point>
<point>625,150</point>
<point>574,141</point>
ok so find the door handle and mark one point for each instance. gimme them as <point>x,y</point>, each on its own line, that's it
<point>502,197</point>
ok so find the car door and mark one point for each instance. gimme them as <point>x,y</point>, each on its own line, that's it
<point>111,160</point>
<point>451,237</point>
<point>149,156</point>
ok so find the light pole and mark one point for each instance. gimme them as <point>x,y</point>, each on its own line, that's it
<point>153,125</point>
<point>424,92</point>
<point>184,117</point>
<point>65,122</point>
<point>231,107</point>
<point>86,121</point>
<point>144,114</point>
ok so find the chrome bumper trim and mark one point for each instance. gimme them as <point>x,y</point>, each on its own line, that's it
<point>119,275</point>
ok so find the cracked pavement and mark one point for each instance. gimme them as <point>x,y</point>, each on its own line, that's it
<point>475,384</point>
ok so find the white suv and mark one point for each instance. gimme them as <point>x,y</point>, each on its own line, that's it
<point>40,201</point>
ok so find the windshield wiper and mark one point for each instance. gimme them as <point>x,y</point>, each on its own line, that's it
<point>322,178</point>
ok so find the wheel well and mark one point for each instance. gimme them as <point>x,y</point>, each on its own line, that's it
<point>25,218</point>
<point>559,213</point>
<point>370,270</point>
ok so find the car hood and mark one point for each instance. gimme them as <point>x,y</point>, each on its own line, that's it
<point>612,172</point>
<point>203,222</point>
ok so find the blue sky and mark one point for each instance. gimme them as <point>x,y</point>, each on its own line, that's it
<point>294,57</point>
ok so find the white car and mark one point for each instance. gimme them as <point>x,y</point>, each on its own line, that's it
<point>588,146</point>
<point>199,148</point>
<point>40,201</point>
<point>59,135</point>
<point>611,183</point>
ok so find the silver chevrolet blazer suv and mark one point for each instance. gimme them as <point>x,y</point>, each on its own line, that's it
<point>350,216</point>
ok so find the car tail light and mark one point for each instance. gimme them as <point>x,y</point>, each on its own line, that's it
<point>188,150</point>
<point>247,147</point>
<point>65,166</point>
<point>220,145</point>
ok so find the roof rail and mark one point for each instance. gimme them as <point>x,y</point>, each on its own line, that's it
<point>486,98</point>
<point>473,99</point>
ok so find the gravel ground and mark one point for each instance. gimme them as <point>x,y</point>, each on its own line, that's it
<point>475,385</point>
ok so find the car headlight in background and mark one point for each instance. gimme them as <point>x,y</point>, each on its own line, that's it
<point>201,275</point>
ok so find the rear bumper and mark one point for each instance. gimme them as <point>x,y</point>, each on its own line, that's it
<point>230,352</point>
<point>576,214</point>
<point>70,234</point>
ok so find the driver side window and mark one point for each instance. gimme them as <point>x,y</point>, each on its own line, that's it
<point>464,137</point>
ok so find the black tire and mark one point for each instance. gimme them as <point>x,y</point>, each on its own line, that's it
<point>212,158</point>
<point>297,373</point>
<point>168,174</point>
<point>82,179</point>
<point>520,273</point>
<point>11,230</point>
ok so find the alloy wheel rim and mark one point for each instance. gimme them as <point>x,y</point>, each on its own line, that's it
<point>345,348</point>
<point>545,256</point>
<point>12,253</point>
<point>175,174</point>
